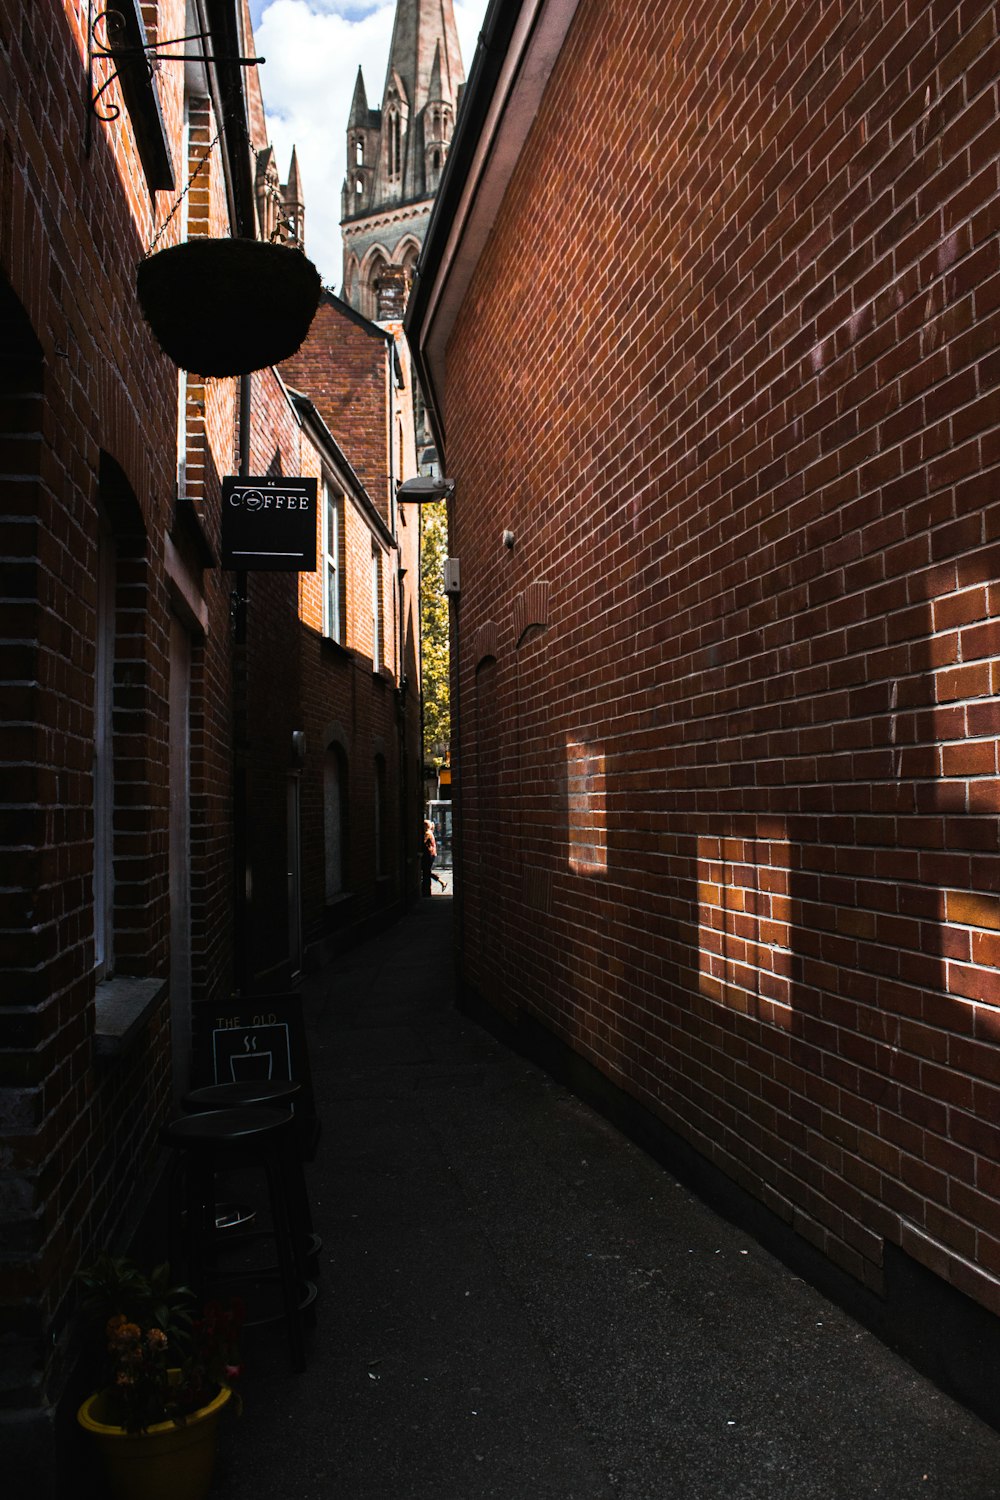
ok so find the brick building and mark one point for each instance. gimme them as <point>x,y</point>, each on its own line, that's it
<point>200,791</point>
<point>727,699</point>
<point>351,383</point>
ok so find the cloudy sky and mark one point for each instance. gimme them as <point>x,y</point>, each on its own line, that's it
<point>313,50</point>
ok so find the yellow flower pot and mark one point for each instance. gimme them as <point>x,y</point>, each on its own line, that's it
<point>169,1461</point>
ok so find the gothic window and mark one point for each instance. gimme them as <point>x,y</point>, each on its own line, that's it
<point>394,151</point>
<point>359,152</point>
<point>376,271</point>
<point>359,186</point>
<point>408,260</point>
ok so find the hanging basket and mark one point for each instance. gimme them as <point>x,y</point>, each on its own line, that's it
<point>229,306</point>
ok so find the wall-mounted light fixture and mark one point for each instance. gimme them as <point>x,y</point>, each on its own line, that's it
<point>424,489</point>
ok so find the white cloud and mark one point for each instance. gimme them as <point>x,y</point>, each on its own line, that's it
<point>313,53</point>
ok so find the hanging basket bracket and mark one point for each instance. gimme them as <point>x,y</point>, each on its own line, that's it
<point>123,53</point>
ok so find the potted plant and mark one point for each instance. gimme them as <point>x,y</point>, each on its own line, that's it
<point>228,306</point>
<point>168,1372</point>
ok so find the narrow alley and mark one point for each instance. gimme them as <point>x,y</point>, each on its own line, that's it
<point>518,1303</point>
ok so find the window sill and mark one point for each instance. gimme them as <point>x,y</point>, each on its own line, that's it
<point>124,1006</point>
<point>336,648</point>
<point>188,523</point>
<point>341,899</point>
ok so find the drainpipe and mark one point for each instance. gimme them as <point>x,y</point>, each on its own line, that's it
<point>241,735</point>
<point>402,776</point>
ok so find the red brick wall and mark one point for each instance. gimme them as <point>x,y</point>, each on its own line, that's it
<point>98,390</point>
<point>89,442</point>
<point>344,367</point>
<point>345,703</point>
<point>91,417</point>
<point>731,791</point>
<point>210,452</point>
<point>296,680</point>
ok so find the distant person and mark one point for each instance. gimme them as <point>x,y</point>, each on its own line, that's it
<point>428,856</point>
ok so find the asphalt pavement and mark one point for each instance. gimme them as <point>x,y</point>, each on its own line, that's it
<point>516,1303</point>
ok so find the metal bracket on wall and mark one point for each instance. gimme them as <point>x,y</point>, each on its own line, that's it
<point>122,48</point>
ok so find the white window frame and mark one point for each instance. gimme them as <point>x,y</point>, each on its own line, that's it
<point>333,553</point>
<point>378,613</point>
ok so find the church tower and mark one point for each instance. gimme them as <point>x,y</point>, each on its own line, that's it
<point>281,210</point>
<point>395,157</point>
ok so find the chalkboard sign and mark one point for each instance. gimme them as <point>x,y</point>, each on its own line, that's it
<point>258,1038</point>
<point>269,524</point>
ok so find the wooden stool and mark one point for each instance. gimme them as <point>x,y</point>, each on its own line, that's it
<point>217,1140</point>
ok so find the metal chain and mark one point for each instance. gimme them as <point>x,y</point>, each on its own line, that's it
<point>183,194</point>
<point>283,221</point>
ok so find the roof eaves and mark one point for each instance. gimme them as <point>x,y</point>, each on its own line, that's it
<point>518,47</point>
<point>335,455</point>
<point>347,311</point>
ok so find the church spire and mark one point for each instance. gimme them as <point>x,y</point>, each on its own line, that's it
<point>293,189</point>
<point>294,202</point>
<point>396,154</point>
<point>425,62</point>
<point>424,32</point>
<point>435,91</point>
<point>359,104</point>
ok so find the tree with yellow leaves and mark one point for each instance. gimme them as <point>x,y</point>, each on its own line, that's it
<point>434,633</point>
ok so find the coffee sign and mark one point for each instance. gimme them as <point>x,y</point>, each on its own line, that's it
<point>258,1040</point>
<point>269,524</point>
